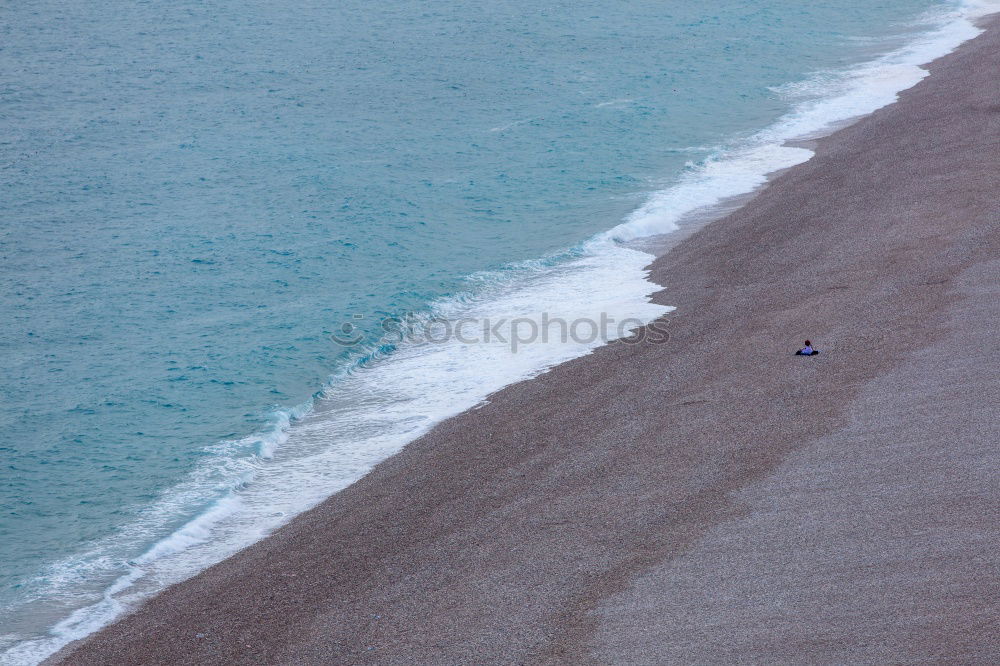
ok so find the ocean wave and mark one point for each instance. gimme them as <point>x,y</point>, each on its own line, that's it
<point>825,101</point>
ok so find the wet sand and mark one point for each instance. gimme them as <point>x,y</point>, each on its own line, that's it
<point>709,499</point>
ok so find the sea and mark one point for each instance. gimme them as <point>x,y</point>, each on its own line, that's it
<point>250,249</point>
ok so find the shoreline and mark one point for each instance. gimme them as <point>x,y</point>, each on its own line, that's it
<point>519,523</point>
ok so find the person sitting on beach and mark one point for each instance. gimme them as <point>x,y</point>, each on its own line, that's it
<point>807,350</point>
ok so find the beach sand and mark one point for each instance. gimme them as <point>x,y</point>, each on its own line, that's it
<point>709,499</point>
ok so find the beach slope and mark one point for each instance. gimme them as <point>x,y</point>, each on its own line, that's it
<point>709,499</point>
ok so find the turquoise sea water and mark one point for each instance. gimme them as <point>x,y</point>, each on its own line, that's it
<point>195,196</point>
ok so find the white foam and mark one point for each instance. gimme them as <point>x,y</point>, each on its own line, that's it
<point>249,487</point>
<point>622,101</point>
<point>733,173</point>
<point>504,128</point>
